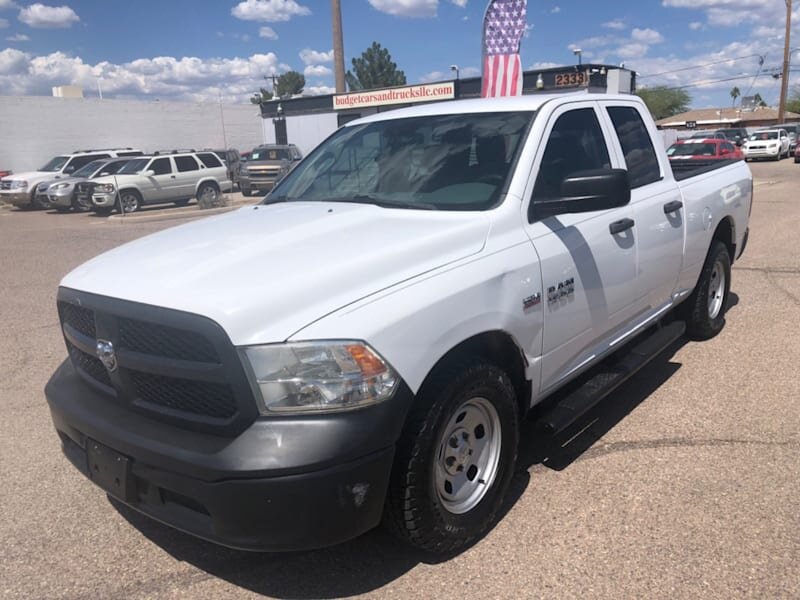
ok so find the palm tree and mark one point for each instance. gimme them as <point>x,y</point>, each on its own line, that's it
<point>735,93</point>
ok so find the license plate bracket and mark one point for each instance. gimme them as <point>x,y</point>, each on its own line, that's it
<point>109,469</point>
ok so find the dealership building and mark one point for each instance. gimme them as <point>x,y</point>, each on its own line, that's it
<point>306,121</point>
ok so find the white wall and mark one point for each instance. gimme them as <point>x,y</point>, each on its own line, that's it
<point>307,131</point>
<point>33,129</point>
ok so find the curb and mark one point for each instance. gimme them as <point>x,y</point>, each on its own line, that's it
<point>175,214</point>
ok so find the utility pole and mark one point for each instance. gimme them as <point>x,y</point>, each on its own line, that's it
<point>785,79</point>
<point>338,46</point>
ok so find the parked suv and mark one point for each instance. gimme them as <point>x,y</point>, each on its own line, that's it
<point>175,177</point>
<point>73,192</point>
<point>20,188</point>
<point>232,160</point>
<point>265,166</point>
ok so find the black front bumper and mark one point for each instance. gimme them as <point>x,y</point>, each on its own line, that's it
<point>283,484</point>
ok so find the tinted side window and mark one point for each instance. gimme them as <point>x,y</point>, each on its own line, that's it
<point>576,144</point>
<point>727,146</point>
<point>80,161</point>
<point>161,166</point>
<point>209,160</point>
<point>640,156</point>
<point>186,163</point>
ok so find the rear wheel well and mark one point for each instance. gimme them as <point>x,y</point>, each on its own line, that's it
<point>497,348</point>
<point>210,182</point>
<point>725,234</point>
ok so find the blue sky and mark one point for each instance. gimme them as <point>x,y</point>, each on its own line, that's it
<point>196,50</point>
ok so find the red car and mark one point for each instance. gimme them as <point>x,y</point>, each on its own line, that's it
<point>703,150</point>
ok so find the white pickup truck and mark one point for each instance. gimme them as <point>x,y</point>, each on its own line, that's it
<point>363,345</point>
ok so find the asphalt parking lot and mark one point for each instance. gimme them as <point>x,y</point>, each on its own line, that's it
<point>684,483</point>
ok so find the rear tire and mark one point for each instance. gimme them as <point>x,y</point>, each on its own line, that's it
<point>208,195</point>
<point>704,311</point>
<point>246,192</point>
<point>455,458</point>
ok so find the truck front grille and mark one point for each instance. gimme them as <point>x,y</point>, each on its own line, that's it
<point>174,366</point>
<point>5,185</point>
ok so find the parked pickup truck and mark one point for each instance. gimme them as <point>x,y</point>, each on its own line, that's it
<point>363,344</point>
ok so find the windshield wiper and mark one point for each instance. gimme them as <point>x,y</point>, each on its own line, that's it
<point>384,202</point>
<point>274,199</point>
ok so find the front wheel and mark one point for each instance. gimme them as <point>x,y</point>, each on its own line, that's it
<point>705,308</point>
<point>129,201</point>
<point>246,192</point>
<point>455,459</point>
<point>208,195</point>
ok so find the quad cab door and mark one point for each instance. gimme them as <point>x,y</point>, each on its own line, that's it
<point>657,205</point>
<point>588,260</point>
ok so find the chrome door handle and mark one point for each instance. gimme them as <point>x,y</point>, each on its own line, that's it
<point>620,226</point>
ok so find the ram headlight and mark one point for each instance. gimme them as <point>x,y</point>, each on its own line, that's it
<point>59,186</point>
<point>105,188</point>
<point>319,376</point>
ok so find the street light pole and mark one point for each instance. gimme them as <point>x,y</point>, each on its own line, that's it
<point>338,47</point>
<point>785,78</point>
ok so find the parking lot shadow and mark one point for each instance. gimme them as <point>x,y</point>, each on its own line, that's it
<point>376,558</point>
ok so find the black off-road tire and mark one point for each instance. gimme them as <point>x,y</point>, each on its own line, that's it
<point>701,324</point>
<point>414,510</point>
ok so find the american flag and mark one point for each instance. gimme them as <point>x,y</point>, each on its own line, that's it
<point>503,27</point>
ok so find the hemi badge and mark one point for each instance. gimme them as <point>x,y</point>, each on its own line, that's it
<point>531,301</point>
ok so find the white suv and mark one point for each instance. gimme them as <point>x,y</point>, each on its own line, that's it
<point>20,188</point>
<point>174,177</point>
<point>767,143</point>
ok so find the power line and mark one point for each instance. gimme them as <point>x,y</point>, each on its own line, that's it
<point>718,62</point>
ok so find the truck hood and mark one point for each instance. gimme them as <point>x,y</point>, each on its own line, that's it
<point>265,272</point>
<point>37,176</point>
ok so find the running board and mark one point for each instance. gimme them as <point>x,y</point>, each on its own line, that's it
<point>570,408</point>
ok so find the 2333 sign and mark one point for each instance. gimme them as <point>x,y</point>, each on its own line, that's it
<point>570,79</point>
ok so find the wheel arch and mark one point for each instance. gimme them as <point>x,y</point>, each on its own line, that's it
<point>498,348</point>
<point>204,181</point>
<point>726,233</point>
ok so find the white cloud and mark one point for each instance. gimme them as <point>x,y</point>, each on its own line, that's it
<point>316,71</point>
<point>272,11</point>
<point>647,36</point>
<point>730,13</point>
<point>20,37</point>
<point>618,24</point>
<point>470,72</point>
<point>163,77</point>
<point>695,25</point>
<point>544,65</point>
<point>432,76</point>
<point>3,23</point>
<point>318,90</point>
<point>6,4</point>
<point>555,10</point>
<point>48,17</point>
<point>459,3</point>
<point>632,50</point>
<point>407,8</point>
<point>242,37</point>
<point>268,33</point>
<point>314,57</point>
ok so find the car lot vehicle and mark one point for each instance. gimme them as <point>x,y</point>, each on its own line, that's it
<point>694,153</point>
<point>174,177</point>
<point>5,173</point>
<point>20,188</point>
<point>719,134</point>
<point>737,135</point>
<point>767,143</point>
<point>792,129</point>
<point>232,160</point>
<point>265,166</point>
<point>363,344</point>
<point>73,192</point>
<point>797,154</point>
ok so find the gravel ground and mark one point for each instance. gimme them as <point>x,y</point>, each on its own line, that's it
<point>683,484</point>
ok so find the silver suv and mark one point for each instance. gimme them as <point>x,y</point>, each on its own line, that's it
<point>73,192</point>
<point>20,188</point>
<point>174,177</point>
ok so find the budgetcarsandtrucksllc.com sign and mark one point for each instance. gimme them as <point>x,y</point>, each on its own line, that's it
<point>399,95</point>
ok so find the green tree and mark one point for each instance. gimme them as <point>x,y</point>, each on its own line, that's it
<point>263,95</point>
<point>290,83</point>
<point>664,101</point>
<point>374,69</point>
<point>759,100</point>
<point>793,103</point>
<point>735,93</point>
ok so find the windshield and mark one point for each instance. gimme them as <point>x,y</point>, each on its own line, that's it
<point>764,135</point>
<point>270,154</point>
<point>134,166</point>
<point>55,164</point>
<point>88,169</point>
<point>692,149</point>
<point>446,162</point>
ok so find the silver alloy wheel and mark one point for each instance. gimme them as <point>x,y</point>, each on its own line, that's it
<point>130,202</point>
<point>208,195</point>
<point>468,458</point>
<point>716,289</point>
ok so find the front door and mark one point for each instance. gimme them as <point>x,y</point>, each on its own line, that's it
<point>588,260</point>
<point>161,184</point>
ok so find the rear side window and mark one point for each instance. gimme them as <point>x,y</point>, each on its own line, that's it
<point>160,166</point>
<point>576,143</point>
<point>186,163</point>
<point>640,156</point>
<point>81,161</point>
<point>209,160</point>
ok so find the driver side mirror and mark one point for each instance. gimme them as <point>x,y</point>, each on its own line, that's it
<point>586,191</point>
<point>69,169</point>
<point>148,173</point>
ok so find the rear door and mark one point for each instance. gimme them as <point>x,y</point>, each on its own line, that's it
<point>657,204</point>
<point>588,271</point>
<point>186,176</point>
